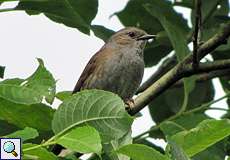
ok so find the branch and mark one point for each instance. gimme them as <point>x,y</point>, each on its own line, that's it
<point>166,65</point>
<point>156,76</point>
<point>206,76</point>
<point>206,67</point>
<point>197,33</point>
<point>210,45</point>
<point>177,72</point>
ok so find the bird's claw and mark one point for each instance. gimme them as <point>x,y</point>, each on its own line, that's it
<point>129,104</point>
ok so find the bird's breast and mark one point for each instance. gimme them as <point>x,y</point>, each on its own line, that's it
<point>124,76</point>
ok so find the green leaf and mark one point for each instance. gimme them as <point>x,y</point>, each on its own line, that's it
<point>169,105</point>
<point>183,123</point>
<point>25,134</point>
<point>170,128</point>
<point>184,3</point>
<point>211,12</point>
<point>36,116</point>
<point>63,95</point>
<point>38,153</point>
<point>2,69</point>
<point>175,33</point>
<point>19,94</point>
<point>14,81</point>
<point>214,152</point>
<point>72,13</point>
<point>203,136</point>
<point>225,80</point>
<point>177,152</point>
<point>178,40</point>
<point>7,128</point>
<point>129,16</point>
<point>83,139</point>
<point>42,81</point>
<point>102,110</point>
<point>150,144</point>
<point>102,32</point>
<point>109,148</point>
<point>141,152</point>
<point>31,90</point>
<point>155,50</point>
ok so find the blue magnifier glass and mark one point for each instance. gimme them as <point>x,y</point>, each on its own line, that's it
<point>9,147</point>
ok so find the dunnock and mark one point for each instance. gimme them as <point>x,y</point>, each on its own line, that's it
<point>118,66</point>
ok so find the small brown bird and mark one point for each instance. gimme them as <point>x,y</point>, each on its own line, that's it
<point>118,66</point>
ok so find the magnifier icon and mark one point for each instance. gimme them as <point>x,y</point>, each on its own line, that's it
<point>9,147</point>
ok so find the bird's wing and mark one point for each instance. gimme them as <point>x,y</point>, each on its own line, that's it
<point>89,69</point>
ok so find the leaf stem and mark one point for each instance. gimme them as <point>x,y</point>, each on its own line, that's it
<point>39,146</point>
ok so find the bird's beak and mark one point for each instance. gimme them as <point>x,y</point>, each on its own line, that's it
<point>146,37</point>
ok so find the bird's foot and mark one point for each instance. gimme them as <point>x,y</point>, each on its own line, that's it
<point>129,104</point>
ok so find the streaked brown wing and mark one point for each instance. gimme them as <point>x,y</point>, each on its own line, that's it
<point>89,69</point>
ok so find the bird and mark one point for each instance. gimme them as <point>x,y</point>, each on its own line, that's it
<point>118,66</point>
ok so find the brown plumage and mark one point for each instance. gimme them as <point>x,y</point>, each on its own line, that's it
<point>118,66</point>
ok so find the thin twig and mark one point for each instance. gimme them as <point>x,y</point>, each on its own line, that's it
<point>197,33</point>
<point>205,77</point>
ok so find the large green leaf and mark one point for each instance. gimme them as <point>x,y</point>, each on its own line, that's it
<point>166,105</point>
<point>183,123</point>
<point>82,139</point>
<point>214,152</point>
<point>37,116</point>
<point>141,152</point>
<point>178,40</point>
<point>2,69</point>
<point>25,134</point>
<point>38,154</point>
<point>102,110</point>
<point>187,122</point>
<point>31,90</point>
<point>203,136</point>
<point>72,13</point>
<point>173,28</point>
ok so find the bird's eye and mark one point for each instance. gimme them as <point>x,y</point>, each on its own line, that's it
<point>131,34</point>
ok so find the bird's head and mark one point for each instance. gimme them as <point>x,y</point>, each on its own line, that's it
<point>130,37</point>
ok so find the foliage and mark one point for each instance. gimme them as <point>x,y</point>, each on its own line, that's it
<point>95,121</point>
